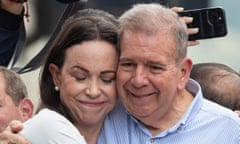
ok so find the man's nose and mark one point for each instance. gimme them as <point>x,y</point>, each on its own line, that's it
<point>139,77</point>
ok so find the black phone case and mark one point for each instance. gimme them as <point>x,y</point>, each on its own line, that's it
<point>210,21</point>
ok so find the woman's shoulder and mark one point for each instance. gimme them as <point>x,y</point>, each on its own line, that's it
<point>50,127</point>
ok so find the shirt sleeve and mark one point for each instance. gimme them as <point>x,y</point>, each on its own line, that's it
<point>49,127</point>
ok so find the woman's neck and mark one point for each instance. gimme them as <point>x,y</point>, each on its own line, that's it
<point>90,133</point>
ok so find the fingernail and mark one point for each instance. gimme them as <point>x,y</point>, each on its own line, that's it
<point>196,30</point>
<point>189,19</point>
<point>180,9</point>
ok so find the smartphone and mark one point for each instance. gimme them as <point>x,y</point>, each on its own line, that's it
<point>210,21</point>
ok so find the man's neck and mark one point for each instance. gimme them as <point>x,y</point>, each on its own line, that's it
<point>180,105</point>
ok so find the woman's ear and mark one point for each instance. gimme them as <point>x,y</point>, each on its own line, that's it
<point>55,72</point>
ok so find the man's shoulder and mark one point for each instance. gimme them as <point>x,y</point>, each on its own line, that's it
<point>217,111</point>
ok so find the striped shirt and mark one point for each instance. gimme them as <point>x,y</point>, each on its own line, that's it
<point>204,122</point>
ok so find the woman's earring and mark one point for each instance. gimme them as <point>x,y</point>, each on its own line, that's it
<point>56,88</point>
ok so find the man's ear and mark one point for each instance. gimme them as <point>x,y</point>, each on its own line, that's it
<point>185,70</point>
<point>55,72</point>
<point>26,108</point>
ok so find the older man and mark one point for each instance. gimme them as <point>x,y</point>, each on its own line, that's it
<point>162,105</point>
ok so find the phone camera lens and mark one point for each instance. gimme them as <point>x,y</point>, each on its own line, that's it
<point>215,16</point>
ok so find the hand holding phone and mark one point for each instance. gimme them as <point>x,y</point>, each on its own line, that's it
<point>210,21</point>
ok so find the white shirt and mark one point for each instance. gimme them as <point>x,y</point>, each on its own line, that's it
<point>50,127</point>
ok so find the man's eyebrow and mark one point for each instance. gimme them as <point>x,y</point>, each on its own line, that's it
<point>156,63</point>
<point>125,59</point>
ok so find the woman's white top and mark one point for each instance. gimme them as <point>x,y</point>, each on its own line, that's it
<point>50,127</point>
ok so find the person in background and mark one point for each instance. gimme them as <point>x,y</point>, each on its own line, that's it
<point>14,101</point>
<point>219,82</point>
<point>11,15</point>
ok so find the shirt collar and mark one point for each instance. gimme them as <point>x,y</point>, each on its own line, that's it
<point>194,88</point>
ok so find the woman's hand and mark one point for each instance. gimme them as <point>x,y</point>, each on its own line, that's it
<point>10,136</point>
<point>237,112</point>
<point>187,20</point>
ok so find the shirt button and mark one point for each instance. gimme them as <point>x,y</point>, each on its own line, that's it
<point>179,128</point>
<point>151,140</point>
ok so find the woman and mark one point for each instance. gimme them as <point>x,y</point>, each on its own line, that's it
<point>77,85</point>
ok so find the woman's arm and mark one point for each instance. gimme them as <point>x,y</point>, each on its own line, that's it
<point>10,136</point>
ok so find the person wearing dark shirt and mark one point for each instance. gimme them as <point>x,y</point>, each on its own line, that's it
<point>11,15</point>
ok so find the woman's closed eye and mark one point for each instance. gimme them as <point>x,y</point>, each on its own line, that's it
<point>108,77</point>
<point>80,78</point>
<point>109,80</point>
